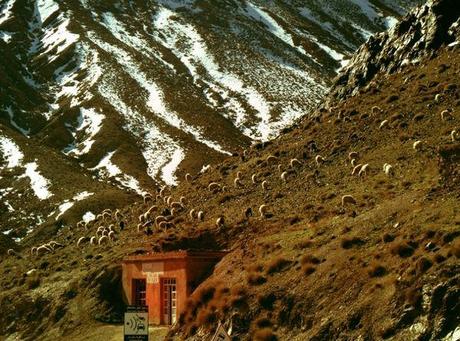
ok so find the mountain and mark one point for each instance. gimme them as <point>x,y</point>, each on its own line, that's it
<point>102,101</point>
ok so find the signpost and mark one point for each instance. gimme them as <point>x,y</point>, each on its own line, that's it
<point>136,323</point>
<point>221,334</point>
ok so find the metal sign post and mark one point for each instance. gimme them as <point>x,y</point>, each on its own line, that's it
<point>221,334</point>
<point>136,326</point>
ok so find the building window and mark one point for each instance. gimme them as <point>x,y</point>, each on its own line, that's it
<point>169,297</point>
<point>139,292</point>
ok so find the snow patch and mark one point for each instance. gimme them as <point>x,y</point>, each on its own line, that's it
<point>38,183</point>
<point>88,216</point>
<point>169,169</point>
<point>44,8</point>
<point>5,10</point>
<point>6,36</point>
<point>10,152</point>
<point>23,131</point>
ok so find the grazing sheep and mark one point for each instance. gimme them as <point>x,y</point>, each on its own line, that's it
<point>356,168</point>
<point>43,249</point>
<point>284,176</point>
<point>438,98</point>
<point>165,199</point>
<point>213,186</point>
<point>139,228</point>
<point>163,191</point>
<point>142,218</point>
<point>102,240</point>
<point>201,215</point>
<point>33,250</point>
<point>248,212</point>
<point>280,168</point>
<point>188,178</point>
<point>388,169</point>
<point>263,210</point>
<point>176,205</point>
<point>272,159</point>
<point>80,241</point>
<point>11,252</point>
<point>152,209</point>
<point>54,244</point>
<point>173,212</point>
<point>158,197</point>
<point>220,222</point>
<point>295,163</point>
<point>254,178</point>
<point>224,188</point>
<point>265,185</point>
<point>353,162</point>
<point>239,175</point>
<point>118,215</point>
<point>363,170</point>
<point>192,214</point>
<point>159,219</point>
<point>348,199</point>
<point>111,235</point>
<point>106,216</point>
<point>237,182</point>
<point>353,156</point>
<point>446,115</point>
<point>454,135</point>
<point>105,233</point>
<point>163,225</point>
<point>319,160</point>
<point>183,201</point>
<point>417,145</point>
<point>383,124</point>
<point>147,198</point>
<point>376,110</point>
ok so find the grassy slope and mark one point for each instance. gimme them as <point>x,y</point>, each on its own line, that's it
<point>313,270</point>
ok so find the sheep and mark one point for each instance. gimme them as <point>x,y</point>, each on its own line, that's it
<point>118,215</point>
<point>376,110</point>
<point>239,175</point>
<point>54,244</point>
<point>80,241</point>
<point>263,210</point>
<point>363,170</point>
<point>166,199</point>
<point>438,98</point>
<point>111,235</point>
<point>220,222</point>
<point>383,124</point>
<point>159,219</point>
<point>280,168</point>
<point>102,240</point>
<point>388,169</point>
<point>356,168</point>
<point>224,188</point>
<point>271,159</point>
<point>92,240</point>
<point>176,205</point>
<point>11,252</point>
<point>295,163</point>
<point>163,225</point>
<point>237,182</point>
<point>192,214</point>
<point>353,162</point>
<point>417,145</point>
<point>188,178</point>
<point>43,249</point>
<point>139,228</point>
<point>173,212</point>
<point>348,199</point>
<point>284,176</point>
<point>446,115</point>
<point>213,186</point>
<point>33,250</point>
<point>453,135</point>
<point>319,160</point>
<point>183,201</point>
<point>106,216</point>
<point>265,185</point>
<point>142,218</point>
<point>254,178</point>
<point>105,233</point>
<point>353,156</point>
<point>158,197</point>
<point>152,209</point>
<point>201,215</point>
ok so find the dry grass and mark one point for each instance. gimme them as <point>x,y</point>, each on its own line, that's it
<point>277,265</point>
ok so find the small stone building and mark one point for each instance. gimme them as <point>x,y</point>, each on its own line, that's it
<point>163,281</point>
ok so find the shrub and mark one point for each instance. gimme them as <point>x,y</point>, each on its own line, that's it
<point>304,244</point>
<point>205,294</point>
<point>265,334</point>
<point>402,249</point>
<point>255,279</point>
<point>206,316</point>
<point>308,269</point>
<point>456,249</point>
<point>388,238</point>
<point>277,265</point>
<point>309,259</point>
<point>349,242</point>
<point>266,301</point>
<point>423,264</point>
<point>263,322</point>
<point>376,270</point>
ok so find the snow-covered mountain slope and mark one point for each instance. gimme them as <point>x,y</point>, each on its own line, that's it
<point>126,96</point>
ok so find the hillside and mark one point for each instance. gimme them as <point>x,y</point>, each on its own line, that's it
<point>385,266</point>
<point>125,97</point>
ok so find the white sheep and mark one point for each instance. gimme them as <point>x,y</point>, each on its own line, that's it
<point>417,145</point>
<point>159,219</point>
<point>139,228</point>
<point>265,185</point>
<point>220,222</point>
<point>295,163</point>
<point>43,249</point>
<point>356,169</point>
<point>237,182</point>
<point>284,176</point>
<point>201,215</point>
<point>263,210</point>
<point>348,199</point>
<point>353,155</point>
<point>173,212</point>
<point>183,201</point>
<point>280,168</point>
<point>33,250</point>
<point>254,178</point>
<point>353,162</point>
<point>446,115</point>
<point>376,110</point>
<point>102,240</point>
<point>272,159</point>
<point>319,160</point>
<point>118,215</point>
<point>388,169</point>
<point>11,252</point>
<point>438,98</point>
<point>163,225</point>
<point>111,235</point>
<point>80,241</point>
<point>188,178</point>
<point>213,186</point>
<point>176,205</point>
<point>152,209</point>
<point>453,135</point>
<point>239,175</point>
<point>192,214</point>
<point>383,124</point>
<point>92,240</point>
<point>163,191</point>
<point>363,170</point>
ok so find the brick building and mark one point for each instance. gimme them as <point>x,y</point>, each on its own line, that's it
<point>163,281</point>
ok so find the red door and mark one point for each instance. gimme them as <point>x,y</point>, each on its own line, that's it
<point>169,300</point>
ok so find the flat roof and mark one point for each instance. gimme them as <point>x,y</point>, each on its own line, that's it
<point>153,256</point>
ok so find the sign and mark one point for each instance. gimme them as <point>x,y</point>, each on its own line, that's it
<point>136,323</point>
<point>221,334</point>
